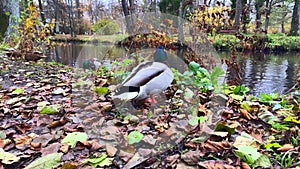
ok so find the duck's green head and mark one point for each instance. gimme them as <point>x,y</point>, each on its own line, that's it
<point>160,55</point>
<point>86,64</point>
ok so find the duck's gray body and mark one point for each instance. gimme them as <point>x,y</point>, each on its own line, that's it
<point>146,79</point>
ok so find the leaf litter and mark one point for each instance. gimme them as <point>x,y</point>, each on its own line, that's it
<point>53,117</point>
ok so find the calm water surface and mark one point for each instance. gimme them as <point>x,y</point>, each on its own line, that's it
<point>262,73</point>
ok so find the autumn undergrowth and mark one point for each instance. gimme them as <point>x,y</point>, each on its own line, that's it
<point>262,131</point>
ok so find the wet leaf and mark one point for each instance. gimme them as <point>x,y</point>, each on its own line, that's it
<point>52,109</point>
<point>272,145</point>
<point>212,164</point>
<point>15,100</point>
<point>194,121</point>
<point>111,150</point>
<point>8,158</point>
<point>42,104</point>
<point>18,91</point>
<point>246,106</point>
<point>99,161</point>
<point>248,153</point>
<point>46,162</point>
<point>58,91</point>
<point>101,90</point>
<point>286,147</point>
<point>291,119</point>
<point>72,138</point>
<point>135,137</point>
<point>265,97</point>
<point>262,161</point>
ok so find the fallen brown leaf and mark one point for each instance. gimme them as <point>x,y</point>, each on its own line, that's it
<point>64,148</point>
<point>216,164</point>
<point>51,148</point>
<point>111,150</point>
<point>286,147</point>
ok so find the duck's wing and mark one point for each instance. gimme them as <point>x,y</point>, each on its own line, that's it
<point>143,73</point>
<point>147,78</point>
<point>127,92</point>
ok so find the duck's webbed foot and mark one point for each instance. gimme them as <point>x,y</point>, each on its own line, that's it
<point>151,99</point>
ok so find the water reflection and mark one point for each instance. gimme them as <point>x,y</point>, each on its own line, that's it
<point>268,72</point>
<point>260,72</point>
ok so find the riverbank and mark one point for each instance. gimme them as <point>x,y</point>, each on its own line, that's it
<point>255,42</point>
<point>57,116</point>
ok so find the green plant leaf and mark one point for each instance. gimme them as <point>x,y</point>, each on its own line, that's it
<point>193,66</point>
<point>18,91</point>
<point>99,161</point>
<point>126,62</point>
<point>265,97</point>
<point>194,121</point>
<point>101,90</point>
<point>237,97</point>
<point>43,103</point>
<point>246,106</point>
<point>272,145</point>
<point>291,119</point>
<point>135,137</point>
<point>248,154</point>
<point>8,158</point>
<point>73,138</point>
<point>216,72</point>
<point>52,109</point>
<point>46,162</point>
<point>262,161</point>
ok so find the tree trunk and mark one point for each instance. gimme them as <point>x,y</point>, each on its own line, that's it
<point>258,6</point>
<point>283,19</point>
<point>11,11</point>
<point>269,8</point>
<point>295,19</point>
<point>132,7</point>
<point>71,18</point>
<point>180,24</point>
<point>57,16</point>
<point>237,17</point>
<point>4,19</point>
<point>42,12</point>
<point>245,14</point>
<point>126,13</point>
<point>78,16</point>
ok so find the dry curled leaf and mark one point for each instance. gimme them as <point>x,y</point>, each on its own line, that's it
<point>245,165</point>
<point>213,164</point>
<point>286,147</point>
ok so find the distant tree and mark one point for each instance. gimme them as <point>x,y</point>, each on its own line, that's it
<point>295,19</point>
<point>245,18</point>
<point>258,5</point>
<point>269,5</point>
<point>71,18</point>
<point>42,12</point>
<point>237,17</point>
<point>126,14</point>
<point>169,6</point>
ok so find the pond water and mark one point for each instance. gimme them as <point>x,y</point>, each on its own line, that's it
<point>262,73</point>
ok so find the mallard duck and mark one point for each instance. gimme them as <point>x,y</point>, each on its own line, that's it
<point>34,56</point>
<point>147,79</point>
<point>160,55</point>
<point>92,63</point>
